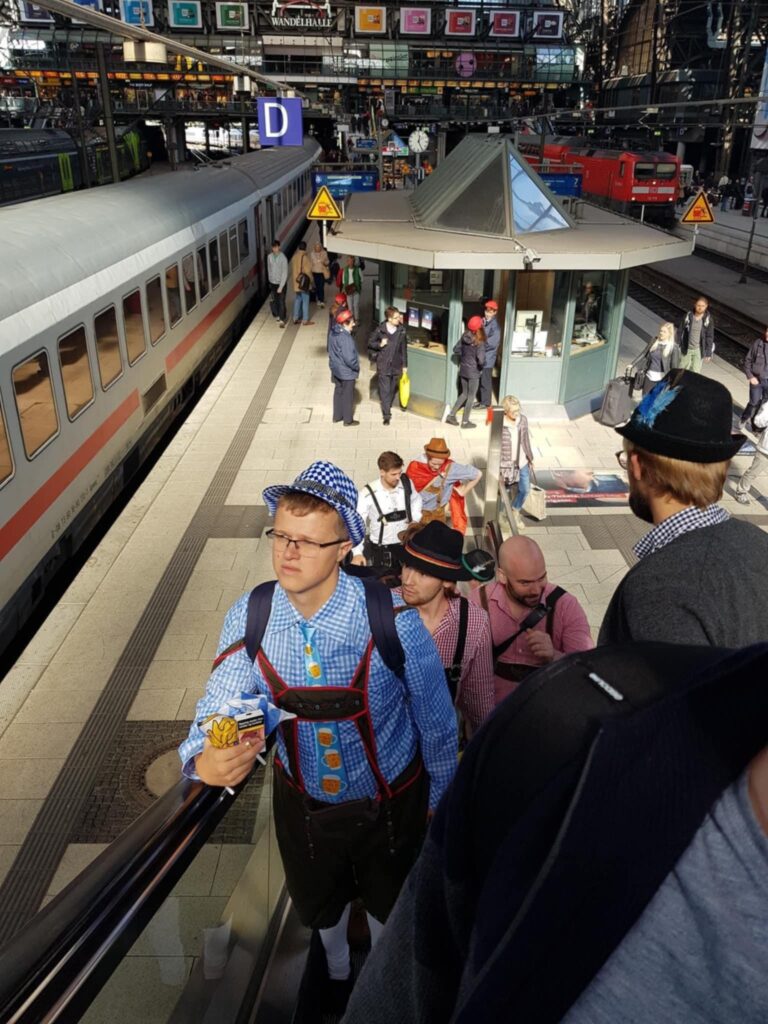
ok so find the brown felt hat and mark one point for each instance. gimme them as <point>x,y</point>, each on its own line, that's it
<point>438,448</point>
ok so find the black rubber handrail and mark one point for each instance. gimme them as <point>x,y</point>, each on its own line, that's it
<point>56,966</point>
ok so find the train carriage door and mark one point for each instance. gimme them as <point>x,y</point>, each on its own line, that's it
<point>262,243</point>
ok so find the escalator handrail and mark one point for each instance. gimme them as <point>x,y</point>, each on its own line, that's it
<point>62,958</point>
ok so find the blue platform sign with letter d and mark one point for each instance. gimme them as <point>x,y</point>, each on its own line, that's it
<point>280,122</point>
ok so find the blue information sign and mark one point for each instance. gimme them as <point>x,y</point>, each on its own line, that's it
<point>562,184</point>
<point>280,122</point>
<point>340,185</point>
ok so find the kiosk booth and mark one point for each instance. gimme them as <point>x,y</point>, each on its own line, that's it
<point>484,225</point>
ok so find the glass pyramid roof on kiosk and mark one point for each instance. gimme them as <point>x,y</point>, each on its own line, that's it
<point>485,186</point>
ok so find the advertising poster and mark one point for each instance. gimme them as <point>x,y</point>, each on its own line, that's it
<point>137,12</point>
<point>185,14</point>
<point>32,14</point>
<point>547,25</point>
<point>426,320</point>
<point>371,20</point>
<point>582,488</point>
<point>416,21</point>
<point>232,17</point>
<point>459,23</point>
<point>505,24</point>
<point>413,316</point>
<point>92,5</point>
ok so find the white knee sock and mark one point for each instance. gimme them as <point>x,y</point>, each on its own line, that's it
<point>336,947</point>
<point>375,928</point>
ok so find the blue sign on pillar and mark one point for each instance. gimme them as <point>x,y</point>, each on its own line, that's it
<point>280,122</point>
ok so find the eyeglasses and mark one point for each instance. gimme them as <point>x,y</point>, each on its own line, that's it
<point>622,458</point>
<point>307,548</point>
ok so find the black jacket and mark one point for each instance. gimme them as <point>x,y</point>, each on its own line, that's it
<point>707,339</point>
<point>472,357</point>
<point>756,363</point>
<point>670,359</point>
<point>542,855</point>
<point>393,357</point>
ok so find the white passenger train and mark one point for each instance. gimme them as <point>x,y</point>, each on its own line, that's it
<point>114,307</point>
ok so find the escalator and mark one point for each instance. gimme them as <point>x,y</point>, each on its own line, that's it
<point>184,917</point>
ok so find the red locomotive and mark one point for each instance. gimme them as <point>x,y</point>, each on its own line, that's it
<point>627,181</point>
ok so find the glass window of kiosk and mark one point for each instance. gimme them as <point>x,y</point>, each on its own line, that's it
<point>595,295</point>
<point>422,296</point>
<point>541,307</point>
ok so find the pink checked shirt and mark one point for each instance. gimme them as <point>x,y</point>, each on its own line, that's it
<point>475,700</point>
<point>570,630</point>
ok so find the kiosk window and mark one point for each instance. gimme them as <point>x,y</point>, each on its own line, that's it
<point>541,306</point>
<point>595,296</point>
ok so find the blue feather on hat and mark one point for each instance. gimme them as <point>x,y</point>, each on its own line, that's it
<point>655,402</point>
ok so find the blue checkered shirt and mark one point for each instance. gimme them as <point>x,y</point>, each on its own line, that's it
<point>681,522</point>
<point>405,716</point>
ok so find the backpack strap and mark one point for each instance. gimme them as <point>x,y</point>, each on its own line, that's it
<point>453,672</point>
<point>532,619</point>
<point>381,514</point>
<point>381,618</point>
<point>259,609</point>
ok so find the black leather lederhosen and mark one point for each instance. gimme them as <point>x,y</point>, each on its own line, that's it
<point>335,852</point>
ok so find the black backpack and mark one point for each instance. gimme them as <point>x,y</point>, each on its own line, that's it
<point>381,618</point>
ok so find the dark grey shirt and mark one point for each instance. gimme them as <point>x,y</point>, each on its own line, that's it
<point>699,952</point>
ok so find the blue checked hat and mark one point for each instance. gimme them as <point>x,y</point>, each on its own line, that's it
<point>327,482</point>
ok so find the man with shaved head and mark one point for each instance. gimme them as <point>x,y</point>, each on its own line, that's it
<point>533,621</point>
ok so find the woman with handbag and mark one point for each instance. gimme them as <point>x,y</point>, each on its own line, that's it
<point>302,284</point>
<point>660,355</point>
<point>470,351</point>
<point>515,442</point>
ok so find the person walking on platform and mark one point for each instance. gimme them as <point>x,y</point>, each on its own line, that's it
<point>756,371</point>
<point>759,463</point>
<point>433,564</point>
<point>492,342</point>
<point>513,470</point>
<point>321,273</point>
<point>387,506</point>
<point>345,369</point>
<point>301,269</point>
<point>533,622</point>
<point>388,345</point>
<point>350,281</point>
<point>352,792</point>
<point>277,275</point>
<point>697,336</point>
<point>660,355</point>
<point>470,351</point>
<point>443,484</point>
<point>701,577</point>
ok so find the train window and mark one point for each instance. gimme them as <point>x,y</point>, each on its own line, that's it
<point>234,257</point>
<point>155,308</point>
<point>135,339</point>
<point>6,461</point>
<point>188,274</point>
<point>107,346</point>
<point>242,234</point>
<point>224,254</point>
<point>644,171</point>
<point>75,371</point>
<point>202,269</point>
<point>34,400</point>
<point>666,170</point>
<point>173,291</point>
<point>213,253</point>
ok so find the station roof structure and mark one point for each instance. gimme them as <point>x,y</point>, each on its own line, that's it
<point>484,205</point>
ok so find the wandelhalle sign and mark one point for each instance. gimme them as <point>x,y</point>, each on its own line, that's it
<point>280,121</point>
<point>300,14</point>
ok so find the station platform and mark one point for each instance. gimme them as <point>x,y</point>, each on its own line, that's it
<point>720,284</point>
<point>92,712</point>
<point>729,235</point>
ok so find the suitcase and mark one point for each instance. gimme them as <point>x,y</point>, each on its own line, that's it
<point>617,405</point>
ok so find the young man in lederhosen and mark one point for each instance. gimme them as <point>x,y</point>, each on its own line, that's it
<point>387,505</point>
<point>443,484</point>
<point>352,791</point>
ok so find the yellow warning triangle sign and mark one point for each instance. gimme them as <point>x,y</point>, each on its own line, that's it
<point>324,207</point>
<point>699,212</point>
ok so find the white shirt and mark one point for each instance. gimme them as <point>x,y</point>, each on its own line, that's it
<point>389,501</point>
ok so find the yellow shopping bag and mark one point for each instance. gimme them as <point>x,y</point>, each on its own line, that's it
<point>405,389</point>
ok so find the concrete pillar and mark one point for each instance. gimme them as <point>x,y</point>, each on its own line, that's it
<point>441,139</point>
<point>681,152</point>
<point>207,139</point>
<point>170,143</point>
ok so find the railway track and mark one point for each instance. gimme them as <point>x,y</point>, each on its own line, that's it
<point>671,299</point>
